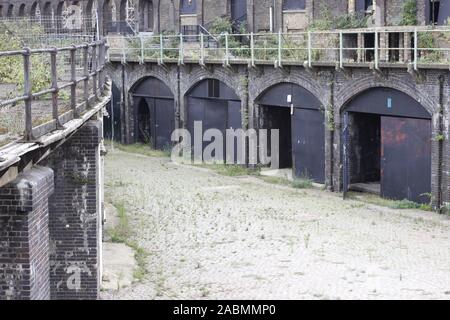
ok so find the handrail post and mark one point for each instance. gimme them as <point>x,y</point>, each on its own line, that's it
<point>73,79</point>
<point>55,93</point>
<point>279,49</point>
<point>416,52</point>
<point>227,61</point>
<point>161,49</point>
<point>202,49</point>
<point>252,48</point>
<point>376,50</point>
<point>102,54</point>
<point>124,53</point>
<point>27,92</point>
<point>95,79</point>
<point>181,50</point>
<point>309,50</point>
<point>341,50</point>
<point>86,75</point>
<point>142,49</point>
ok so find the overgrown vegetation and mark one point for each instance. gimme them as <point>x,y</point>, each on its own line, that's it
<point>140,148</point>
<point>330,21</point>
<point>122,233</point>
<point>11,68</point>
<point>393,204</point>
<point>232,170</point>
<point>409,16</point>
<point>303,183</point>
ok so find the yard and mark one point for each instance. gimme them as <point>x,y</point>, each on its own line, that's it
<point>198,234</point>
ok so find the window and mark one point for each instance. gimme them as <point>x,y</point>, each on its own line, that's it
<point>434,11</point>
<point>364,5</point>
<point>294,5</point>
<point>213,88</point>
<point>188,7</point>
<point>10,11</point>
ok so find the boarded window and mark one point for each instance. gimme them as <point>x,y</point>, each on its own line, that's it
<point>188,7</point>
<point>294,5</point>
<point>213,88</point>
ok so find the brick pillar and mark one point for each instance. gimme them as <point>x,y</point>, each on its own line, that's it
<point>384,44</point>
<point>407,43</point>
<point>74,216</point>
<point>24,236</point>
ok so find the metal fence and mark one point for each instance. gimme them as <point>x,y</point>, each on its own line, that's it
<point>50,96</point>
<point>373,47</point>
<point>38,32</point>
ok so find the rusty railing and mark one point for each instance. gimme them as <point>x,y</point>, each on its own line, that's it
<point>85,64</point>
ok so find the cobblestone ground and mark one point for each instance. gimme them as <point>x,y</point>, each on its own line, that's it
<point>216,237</point>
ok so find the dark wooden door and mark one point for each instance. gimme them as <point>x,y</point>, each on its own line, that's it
<point>406,159</point>
<point>308,144</point>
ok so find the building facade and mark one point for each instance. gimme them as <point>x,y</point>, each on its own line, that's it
<point>255,15</point>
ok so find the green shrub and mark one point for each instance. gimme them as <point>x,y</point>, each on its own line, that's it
<point>409,16</point>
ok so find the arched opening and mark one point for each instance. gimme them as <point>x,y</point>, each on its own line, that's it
<point>90,15</point>
<point>154,108</point>
<point>146,16</point>
<point>22,10</point>
<point>59,13</point>
<point>9,13</point>
<point>34,10</point>
<point>123,11</point>
<point>387,145</point>
<point>144,134</point>
<point>109,15</point>
<point>299,117</point>
<point>47,12</point>
<point>216,106</point>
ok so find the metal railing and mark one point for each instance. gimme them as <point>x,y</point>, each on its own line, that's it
<point>85,67</point>
<point>372,47</point>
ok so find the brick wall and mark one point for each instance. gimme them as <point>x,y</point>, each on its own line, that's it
<point>24,236</point>
<point>74,216</point>
<point>332,88</point>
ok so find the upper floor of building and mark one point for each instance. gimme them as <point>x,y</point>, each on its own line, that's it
<point>193,16</point>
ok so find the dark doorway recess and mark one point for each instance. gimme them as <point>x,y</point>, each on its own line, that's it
<point>216,105</point>
<point>112,123</point>
<point>298,114</point>
<point>387,146</point>
<point>154,113</point>
<point>437,11</point>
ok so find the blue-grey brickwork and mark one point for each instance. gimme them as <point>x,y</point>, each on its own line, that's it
<point>74,217</point>
<point>24,236</point>
<point>332,87</point>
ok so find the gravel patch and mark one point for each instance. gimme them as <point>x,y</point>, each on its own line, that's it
<point>215,237</point>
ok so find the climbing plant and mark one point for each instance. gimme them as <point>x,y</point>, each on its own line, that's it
<point>409,16</point>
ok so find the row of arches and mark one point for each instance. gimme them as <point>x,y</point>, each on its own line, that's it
<point>386,134</point>
<point>44,9</point>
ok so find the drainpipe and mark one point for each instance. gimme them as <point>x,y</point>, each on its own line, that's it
<point>440,143</point>
<point>332,132</point>
<point>179,104</point>
<point>125,133</point>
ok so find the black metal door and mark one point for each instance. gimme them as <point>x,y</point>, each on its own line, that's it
<point>164,122</point>
<point>308,144</point>
<point>212,113</point>
<point>234,123</point>
<point>406,159</point>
